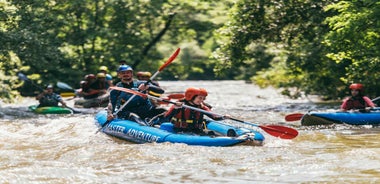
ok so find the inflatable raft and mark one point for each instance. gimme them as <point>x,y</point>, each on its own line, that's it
<point>101,101</point>
<point>351,118</point>
<point>225,135</point>
<point>50,110</point>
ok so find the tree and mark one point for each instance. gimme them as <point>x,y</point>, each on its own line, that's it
<point>354,42</point>
<point>320,47</point>
<point>64,40</point>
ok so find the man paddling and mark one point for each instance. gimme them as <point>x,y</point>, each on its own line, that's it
<point>136,105</point>
<point>48,98</point>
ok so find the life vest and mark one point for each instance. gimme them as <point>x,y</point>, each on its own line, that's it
<point>355,103</point>
<point>137,105</point>
<point>118,98</point>
<point>189,119</point>
<point>96,85</point>
<point>49,100</point>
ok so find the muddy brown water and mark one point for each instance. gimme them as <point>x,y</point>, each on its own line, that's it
<point>66,149</point>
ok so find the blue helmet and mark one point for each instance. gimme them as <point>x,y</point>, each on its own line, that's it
<point>124,68</point>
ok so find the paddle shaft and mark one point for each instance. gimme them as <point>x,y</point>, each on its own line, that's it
<point>74,111</point>
<point>170,60</point>
<point>25,78</point>
<point>172,96</point>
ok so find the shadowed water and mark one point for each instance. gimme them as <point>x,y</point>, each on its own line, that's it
<point>66,149</point>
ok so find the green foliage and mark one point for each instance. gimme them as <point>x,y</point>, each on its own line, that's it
<point>312,46</point>
<point>354,41</point>
<point>324,45</point>
<point>8,77</point>
<point>65,40</point>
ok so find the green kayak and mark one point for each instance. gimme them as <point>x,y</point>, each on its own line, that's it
<point>50,110</point>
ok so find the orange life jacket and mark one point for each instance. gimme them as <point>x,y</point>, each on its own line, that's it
<point>189,119</point>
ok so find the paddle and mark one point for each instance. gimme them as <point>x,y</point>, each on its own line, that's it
<point>274,130</point>
<point>376,100</point>
<point>170,60</point>
<point>294,117</point>
<point>74,110</point>
<point>176,96</point>
<point>63,85</point>
<point>23,77</point>
<point>172,96</point>
<point>298,116</point>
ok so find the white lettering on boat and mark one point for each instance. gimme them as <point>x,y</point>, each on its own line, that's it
<point>137,134</point>
<point>116,128</point>
<point>142,135</point>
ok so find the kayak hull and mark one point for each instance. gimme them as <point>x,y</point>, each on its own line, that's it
<point>50,110</point>
<point>351,118</point>
<point>136,133</point>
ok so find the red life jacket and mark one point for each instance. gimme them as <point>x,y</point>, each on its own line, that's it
<point>355,103</point>
<point>189,119</point>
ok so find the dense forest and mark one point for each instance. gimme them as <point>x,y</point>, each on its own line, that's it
<point>303,47</point>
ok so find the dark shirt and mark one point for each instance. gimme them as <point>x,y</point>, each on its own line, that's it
<point>138,105</point>
<point>50,100</point>
<point>96,85</point>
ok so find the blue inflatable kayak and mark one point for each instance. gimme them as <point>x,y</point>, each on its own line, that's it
<point>351,118</point>
<point>226,135</point>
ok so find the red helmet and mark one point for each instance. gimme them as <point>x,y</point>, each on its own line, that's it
<point>89,76</point>
<point>192,92</point>
<point>139,74</point>
<point>356,86</point>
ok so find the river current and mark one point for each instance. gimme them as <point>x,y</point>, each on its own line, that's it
<point>66,148</point>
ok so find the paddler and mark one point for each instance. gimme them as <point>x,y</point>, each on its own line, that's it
<point>137,105</point>
<point>108,77</point>
<point>357,100</point>
<point>96,88</point>
<point>49,99</point>
<point>188,120</point>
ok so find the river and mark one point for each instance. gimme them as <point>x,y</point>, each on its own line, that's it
<point>66,148</point>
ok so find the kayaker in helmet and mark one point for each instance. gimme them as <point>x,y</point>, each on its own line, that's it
<point>95,88</point>
<point>48,98</point>
<point>188,120</point>
<point>141,75</point>
<point>357,101</point>
<point>139,106</point>
<point>109,82</point>
<point>85,84</point>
